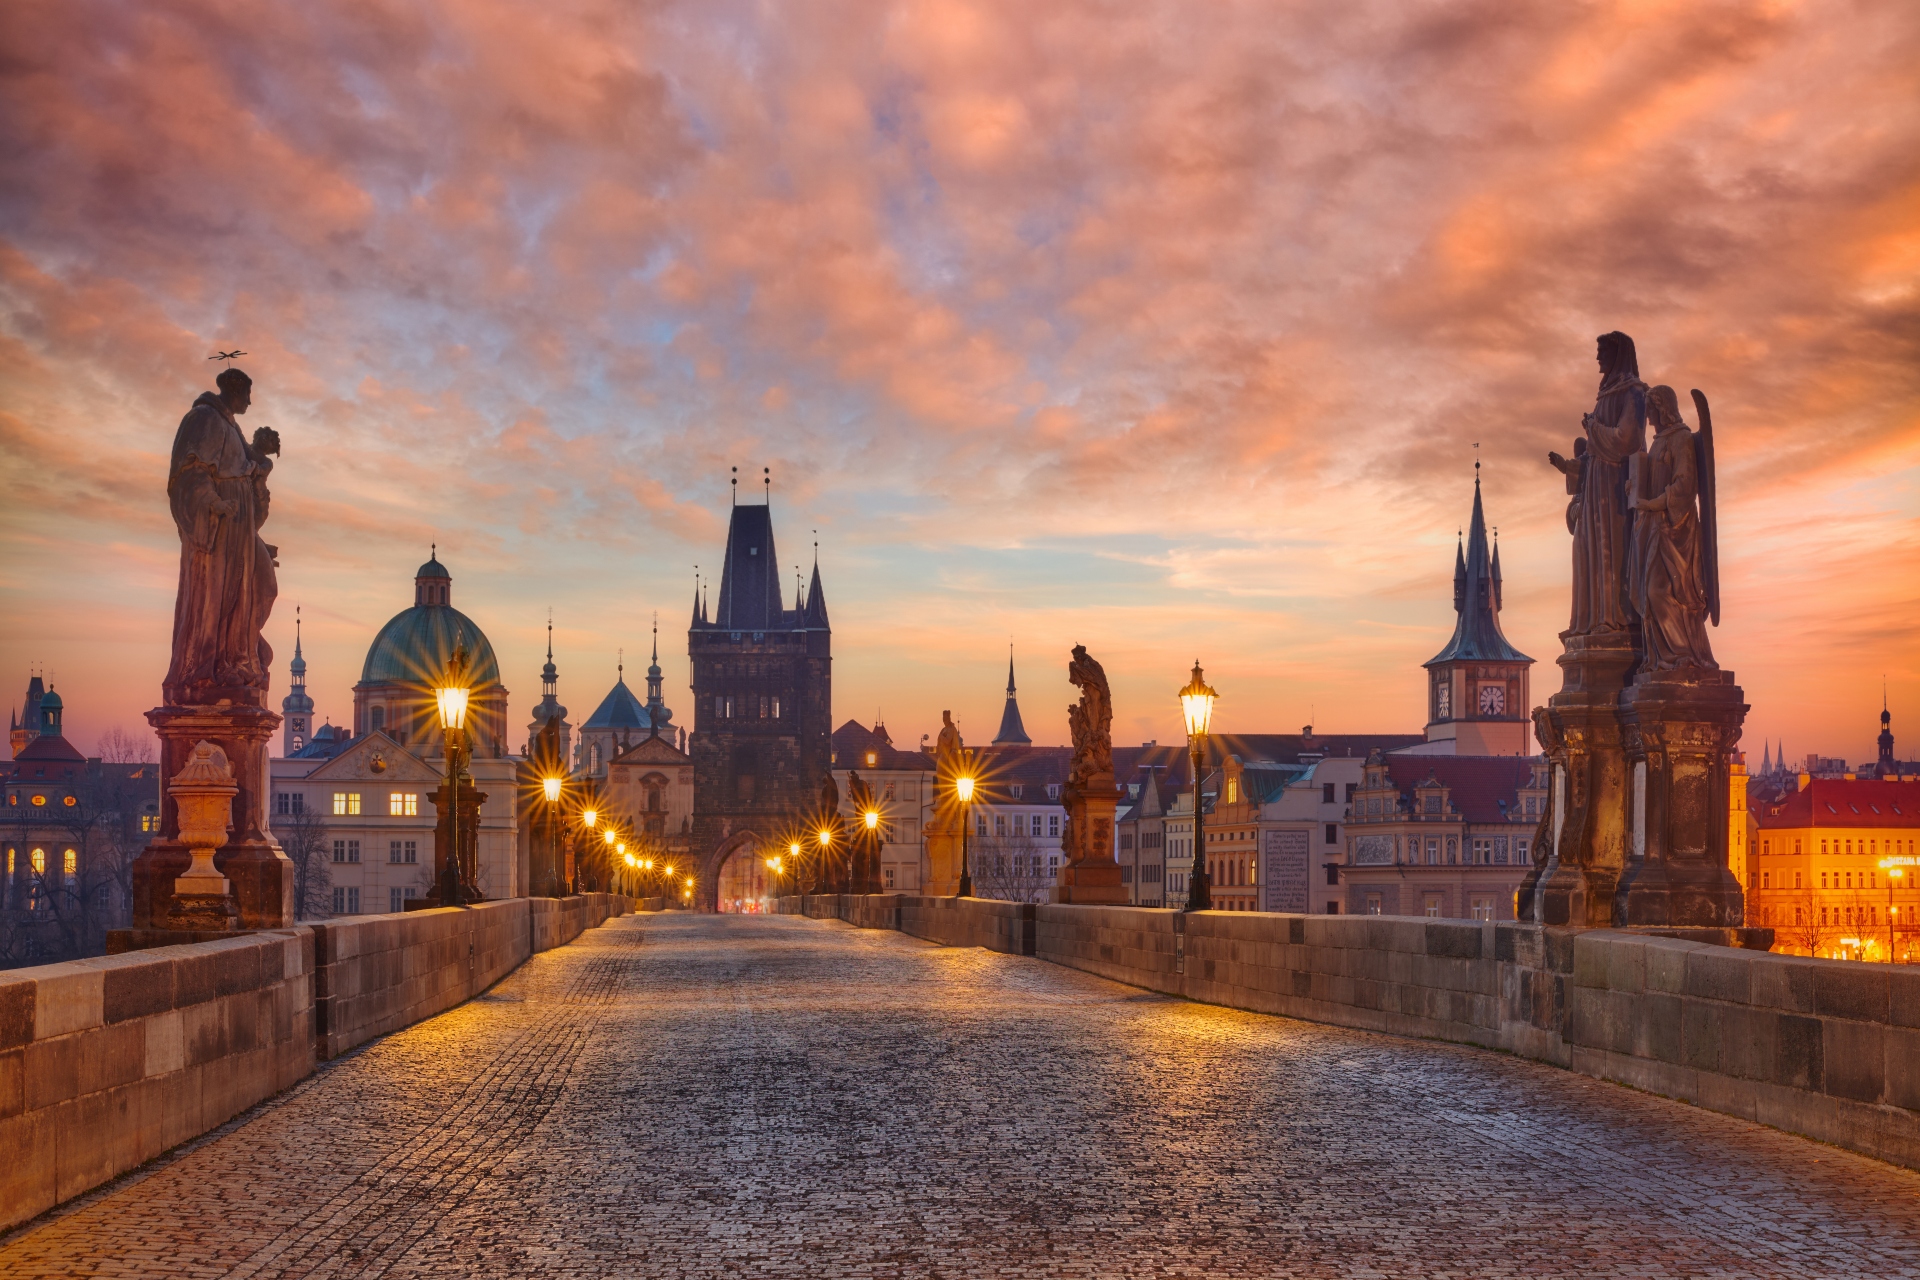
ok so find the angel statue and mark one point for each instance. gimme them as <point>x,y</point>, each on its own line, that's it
<point>1676,557</point>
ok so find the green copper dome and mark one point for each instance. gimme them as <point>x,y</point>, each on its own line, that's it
<point>414,647</point>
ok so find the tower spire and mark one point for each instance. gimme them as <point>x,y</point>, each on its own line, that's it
<point>1012,732</point>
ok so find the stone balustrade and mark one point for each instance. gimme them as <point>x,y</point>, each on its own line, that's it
<point>108,1062</point>
<point>1825,1048</point>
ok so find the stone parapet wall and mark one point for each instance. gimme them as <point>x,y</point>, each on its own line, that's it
<point>107,1063</point>
<point>380,973</point>
<point>1825,1048</point>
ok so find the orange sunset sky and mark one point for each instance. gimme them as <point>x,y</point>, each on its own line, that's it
<point>1166,329</point>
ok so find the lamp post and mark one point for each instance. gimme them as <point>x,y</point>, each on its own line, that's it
<point>550,788</point>
<point>870,861</point>
<point>589,817</point>
<point>450,698</point>
<point>825,836</point>
<point>1196,707</point>
<point>963,792</point>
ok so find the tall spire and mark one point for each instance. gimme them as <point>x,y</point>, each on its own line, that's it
<point>657,714</point>
<point>1012,732</point>
<point>296,709</point>
<point>1476,595</point>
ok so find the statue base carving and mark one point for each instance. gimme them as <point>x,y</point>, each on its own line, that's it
<point>1091,876</point>
<point>202,912</point>
<point>469,852</point>
<point>1580,730</point>
<point>1679,728</point>
<point>251,859</point>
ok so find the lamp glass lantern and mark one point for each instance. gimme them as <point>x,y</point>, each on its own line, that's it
<point>1196,703</point>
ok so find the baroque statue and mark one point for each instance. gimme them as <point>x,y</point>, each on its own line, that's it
<point>217,488</point>
<point>1676,578</point>
<point>948,747</point>
<point>1615,430</point>
<point>1091,720</point>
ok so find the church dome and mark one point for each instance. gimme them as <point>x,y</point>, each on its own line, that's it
<point>414,646</point>
<point>433,569</point>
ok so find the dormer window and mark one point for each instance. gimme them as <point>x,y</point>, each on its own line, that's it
<point>1016,790</point>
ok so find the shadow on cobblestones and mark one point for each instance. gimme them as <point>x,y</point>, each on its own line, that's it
<point>754,1096</point>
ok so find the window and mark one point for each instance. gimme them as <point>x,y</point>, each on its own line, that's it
<point>1373,904</point>
<point>396,899</point>
<point>1333,833</point>
<point>403,805</point>
<point>1520,846</point>
<point>1233,790</point>
<point>1017,791</point>
<point>377,720</point>
<point>1053,825</point>
<point>1126,840</point>
<point>1482,908</point>
<point>39,859</point>
<point>1432,904</point>
<point>1532,809</point>
<point>886,792</point>
<point>980,824</point>
<point>776,708</point>
<point>1326,793</point>
<point>1333,873</point>
<point>1766,878</point>
<point>1033,827</point>
<point>1482,853</point>
<point>1433,804</point>
<point>149,822</point>
<point>346,900</point>
<point>1053,864</point>
<point>999,824</point>
<point>763,714</point>
<point>346,802</point>
<point>346,851</point>
<point>1433,853</point>
<point>889,877</point>
<point>72,865</point>
<point>1796,884</point>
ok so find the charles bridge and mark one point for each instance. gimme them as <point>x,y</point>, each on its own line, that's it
<point>896,1085</point>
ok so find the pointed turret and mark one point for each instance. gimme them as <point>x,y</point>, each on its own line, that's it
<point>1477,635</point>
<point>296,709</point>
<point>27,727</point>
<point>1012,732</point>
<point>658,716</point>
<point>816,616</point>
<point>1496,571</point>
<point>550,708</point>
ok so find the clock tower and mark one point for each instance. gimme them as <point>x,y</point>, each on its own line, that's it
<point>1477,686</point>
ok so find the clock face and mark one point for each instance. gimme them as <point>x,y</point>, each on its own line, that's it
<point>1493,700</point>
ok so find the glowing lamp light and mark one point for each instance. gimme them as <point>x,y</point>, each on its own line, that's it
<point>794,848</point>
<point>826,837</point>
<point>610,836</point>
<point>1196,703</point>
<point>873,820</point>
<point>621,849</point>
<point>589,817</point>
<point>552,787</point>
<point>963,788</point>
<point>452,702</point>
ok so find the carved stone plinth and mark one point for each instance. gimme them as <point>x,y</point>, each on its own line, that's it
<point>469,851</point>
<point>943,856</point>
<point>1091,875</point>
<point>251,859</point>
<point>1679,728</point>
<point>1579,727</point>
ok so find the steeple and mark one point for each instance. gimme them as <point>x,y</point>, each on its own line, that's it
<point>1476,597</point>
<point>816,614</point>
<point>658,717</point>
<point>27,727</point>
<point>1889,768</point>
<point>549,707</point>
<point>1012,732</point>
<point>296,709</point>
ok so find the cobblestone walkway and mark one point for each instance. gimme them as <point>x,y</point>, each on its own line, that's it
<point>743,1097</point>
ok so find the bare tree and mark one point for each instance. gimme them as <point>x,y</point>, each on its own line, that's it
<point>117,746</point>
<point>303,837</point>
<point>1010,868</point>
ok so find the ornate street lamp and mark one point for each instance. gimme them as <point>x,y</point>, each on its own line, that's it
<point>870,861</point>
<point>963,792</point>
<point>550,787</point>
<point>450,699</point>
<point>1196,707</point>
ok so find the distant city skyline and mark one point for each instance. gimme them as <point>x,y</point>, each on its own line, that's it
<point>1174,339</point>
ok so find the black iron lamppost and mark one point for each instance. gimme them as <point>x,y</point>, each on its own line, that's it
<point>963,792</point>
<point>870,858</point>
<point>1196,707</point>
<point>451,698</point>
<point>550,872</point>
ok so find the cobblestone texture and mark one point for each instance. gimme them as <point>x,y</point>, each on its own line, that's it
<point>742,1097</point>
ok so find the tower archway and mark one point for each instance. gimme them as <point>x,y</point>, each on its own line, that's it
<point>732,872</point>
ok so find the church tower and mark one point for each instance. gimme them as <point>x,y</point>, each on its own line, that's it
<point>296,709</point>
<point>1888,766</point>
<point>1477,686</point>
<point>549,707</point>
<point>1012,732</point>
<point>762,700</point>
<point>26,727</point>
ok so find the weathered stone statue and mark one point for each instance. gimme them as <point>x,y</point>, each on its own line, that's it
<point>1090,719</point>
<point>216,684</point>
<point>1676,574</point>
<point>1091,873</point>
<point>217,487</point>
<point>944,827</point>
<point>1616,429</point>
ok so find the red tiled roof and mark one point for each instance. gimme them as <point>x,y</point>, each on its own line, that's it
<point>1839,802</point>
<point>852,742</point>
<point>1476,784</point>
<point>51,746</point>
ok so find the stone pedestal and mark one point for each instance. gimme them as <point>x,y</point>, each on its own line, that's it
<point>1679,728</point>
<point>1091,875</point>
<point>469,851</point>
<point>1581,732</point>
<point>251,860</point>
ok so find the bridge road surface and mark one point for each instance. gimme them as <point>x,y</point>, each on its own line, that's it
<point>726,1096</point>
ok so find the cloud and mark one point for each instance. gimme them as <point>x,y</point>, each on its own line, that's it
<point>1078,322</point>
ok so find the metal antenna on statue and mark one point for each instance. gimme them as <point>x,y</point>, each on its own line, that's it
<point>228,356</point>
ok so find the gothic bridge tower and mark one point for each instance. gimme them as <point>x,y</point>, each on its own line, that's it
<point>762,701</point>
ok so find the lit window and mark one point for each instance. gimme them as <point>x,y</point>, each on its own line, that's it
<point>346,802</point>
<point>39,862</point>
<point>149,822</point>
<point>776,708</point>
<point>72,861</point>
<point>70,801</point>
<point>40,800</point>
<point>403,804</point>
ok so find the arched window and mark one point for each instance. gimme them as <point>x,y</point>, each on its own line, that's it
<point>377,719</point>
<point>39,862</point>
<point>72,867</point>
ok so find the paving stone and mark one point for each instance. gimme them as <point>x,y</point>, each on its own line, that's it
<point>736,1097</point>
